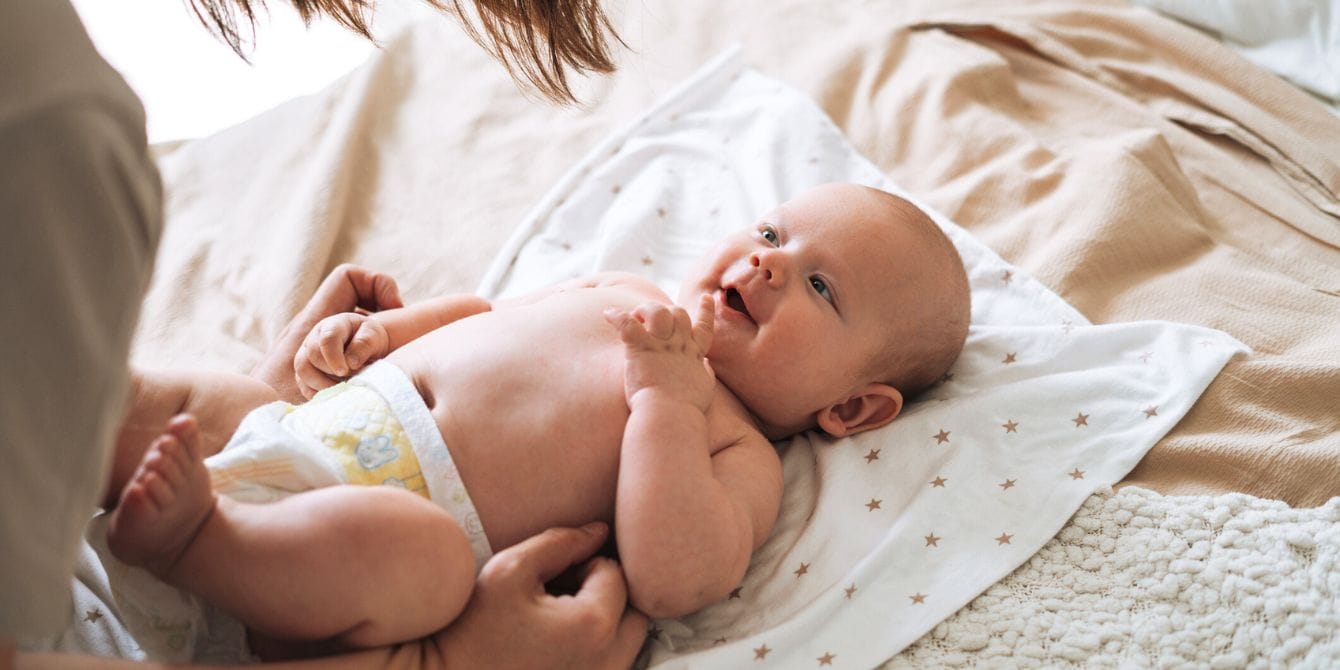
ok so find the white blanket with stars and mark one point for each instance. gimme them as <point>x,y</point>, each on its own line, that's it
<point>882,535</point>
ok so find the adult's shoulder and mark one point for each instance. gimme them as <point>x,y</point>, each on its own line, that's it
<point>49,66</point>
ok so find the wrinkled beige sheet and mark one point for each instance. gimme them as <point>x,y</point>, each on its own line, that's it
<point>1137,168</point>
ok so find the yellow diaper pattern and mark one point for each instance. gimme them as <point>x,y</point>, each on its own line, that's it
<point>373,430</point>
<point>364,436</point>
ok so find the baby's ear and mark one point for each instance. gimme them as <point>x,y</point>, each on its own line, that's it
<point>872,406</point>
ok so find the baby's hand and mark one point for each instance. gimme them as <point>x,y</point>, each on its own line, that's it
<point>336,348</point>
<point>666,353</point>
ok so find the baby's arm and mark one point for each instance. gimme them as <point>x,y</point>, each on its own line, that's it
<point>340,345</point>
<point>687,520</point>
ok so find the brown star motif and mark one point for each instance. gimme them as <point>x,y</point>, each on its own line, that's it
<point>1004,538</point>
<point>1077,474</point>
<point>1006,276</point>
<point>616,188</point>
<point>660,212</point>
<point>1144,358</point>
<point>93,615</point>
<point>938,482</point>
<point>1010,358</point>
<point>761,653</point>
<point>932,540</point>
<point>1006,485</point>
<point>872,456</point>
<point>1081,419</point>
<point>647,261</point>
<point>1010,426</point>
<point>827,659</point>
<point>918,598</point>
<point>1151,411</point>
<point>802,570</point>
<point>850,591</point>
<point>735,593</point>
<point>941,437</point>
<point>567,246</point>
<point>874,504</point>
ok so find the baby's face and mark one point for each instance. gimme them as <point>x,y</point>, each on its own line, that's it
<point>803,300</point>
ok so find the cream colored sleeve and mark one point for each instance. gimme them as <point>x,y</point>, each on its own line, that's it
<point>81,214</point>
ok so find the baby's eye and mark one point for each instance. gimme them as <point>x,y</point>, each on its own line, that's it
<point>821,288</point>
<point>769,234</point>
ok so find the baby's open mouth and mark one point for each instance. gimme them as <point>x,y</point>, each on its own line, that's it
<point>736,302</point>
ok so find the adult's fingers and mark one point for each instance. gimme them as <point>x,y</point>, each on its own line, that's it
<point>545,556</point>
<point>628,639</point>
<point>603,588</point>
<point>374,291</point>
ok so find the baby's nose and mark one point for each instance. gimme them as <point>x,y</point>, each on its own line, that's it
<point>769,266</point>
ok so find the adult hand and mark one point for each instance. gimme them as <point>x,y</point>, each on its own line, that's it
<point>512,622</point>
<point>347,288</point>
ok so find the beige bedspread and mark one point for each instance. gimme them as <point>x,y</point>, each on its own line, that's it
<point>1136,167</point>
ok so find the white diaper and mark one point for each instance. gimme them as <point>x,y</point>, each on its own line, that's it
<point>373,430</point>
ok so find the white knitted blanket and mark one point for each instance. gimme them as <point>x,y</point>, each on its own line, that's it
<point>1136,579</point>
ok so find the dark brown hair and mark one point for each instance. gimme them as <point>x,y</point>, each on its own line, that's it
<point>538,41</point>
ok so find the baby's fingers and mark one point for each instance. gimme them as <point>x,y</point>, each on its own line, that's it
<point>658,319</point>
<point>630,329</point>
<point>367,344</point>
<point>705,324</point>
<point>332,335</point>
<point>309,377</point>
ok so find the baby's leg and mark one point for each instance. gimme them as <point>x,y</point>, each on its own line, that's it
<point>361,565</point>
<point>218,400</point>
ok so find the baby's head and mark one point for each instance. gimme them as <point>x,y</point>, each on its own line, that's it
<point>832,309</point>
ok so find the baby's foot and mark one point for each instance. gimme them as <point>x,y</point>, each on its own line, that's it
<point>165,503</point>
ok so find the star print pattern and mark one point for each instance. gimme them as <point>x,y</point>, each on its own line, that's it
<point>1025,424</point>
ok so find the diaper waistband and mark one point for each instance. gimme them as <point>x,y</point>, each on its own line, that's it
<point>445,487</point>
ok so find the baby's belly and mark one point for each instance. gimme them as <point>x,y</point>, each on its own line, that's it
<point>535,432</point>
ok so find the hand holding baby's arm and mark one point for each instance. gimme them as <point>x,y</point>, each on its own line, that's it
<point>666,353</point>
<point>337,347</point>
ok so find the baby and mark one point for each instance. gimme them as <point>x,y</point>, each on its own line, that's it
<point>592,400</point>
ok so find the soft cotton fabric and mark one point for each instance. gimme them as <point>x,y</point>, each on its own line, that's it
<point>884,534</point>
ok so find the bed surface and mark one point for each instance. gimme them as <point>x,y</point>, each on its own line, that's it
<point>1131,164</point>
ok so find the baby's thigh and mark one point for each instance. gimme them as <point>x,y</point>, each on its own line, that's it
<point>404,559</point>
